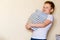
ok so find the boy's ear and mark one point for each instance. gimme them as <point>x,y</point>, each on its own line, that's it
<point>52,10</point>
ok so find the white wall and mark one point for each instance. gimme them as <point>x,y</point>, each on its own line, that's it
<point>15,13</point>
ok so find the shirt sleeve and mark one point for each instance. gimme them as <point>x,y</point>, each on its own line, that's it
<point>50,17</point>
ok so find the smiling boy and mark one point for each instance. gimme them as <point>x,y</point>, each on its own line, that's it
<point>41,33</point>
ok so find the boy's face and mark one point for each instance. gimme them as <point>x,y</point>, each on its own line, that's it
<point>47,8</point>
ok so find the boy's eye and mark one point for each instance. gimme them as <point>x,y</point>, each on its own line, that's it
<point>43,7</point>
<point>46,7</point>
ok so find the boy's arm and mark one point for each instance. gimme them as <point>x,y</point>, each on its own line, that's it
<point>41,25</point>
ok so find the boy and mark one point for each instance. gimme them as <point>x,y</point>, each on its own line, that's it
<point>41,32</point>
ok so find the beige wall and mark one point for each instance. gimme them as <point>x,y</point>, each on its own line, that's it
<point>15,13</point>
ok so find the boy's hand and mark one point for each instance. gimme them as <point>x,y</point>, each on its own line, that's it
<point>28,26</point>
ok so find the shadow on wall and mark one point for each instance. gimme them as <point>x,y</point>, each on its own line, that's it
<point>2,38</point>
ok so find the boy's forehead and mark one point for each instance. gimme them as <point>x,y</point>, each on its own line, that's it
<point>47,4</point>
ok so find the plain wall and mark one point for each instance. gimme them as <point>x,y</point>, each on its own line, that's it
<point>14,15</point>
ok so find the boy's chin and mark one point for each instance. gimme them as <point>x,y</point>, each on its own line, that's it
<point>45,12</point>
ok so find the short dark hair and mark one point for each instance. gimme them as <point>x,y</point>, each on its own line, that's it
<point>51,3</point>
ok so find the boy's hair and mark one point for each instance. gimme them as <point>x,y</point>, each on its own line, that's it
<point>52,5</point>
